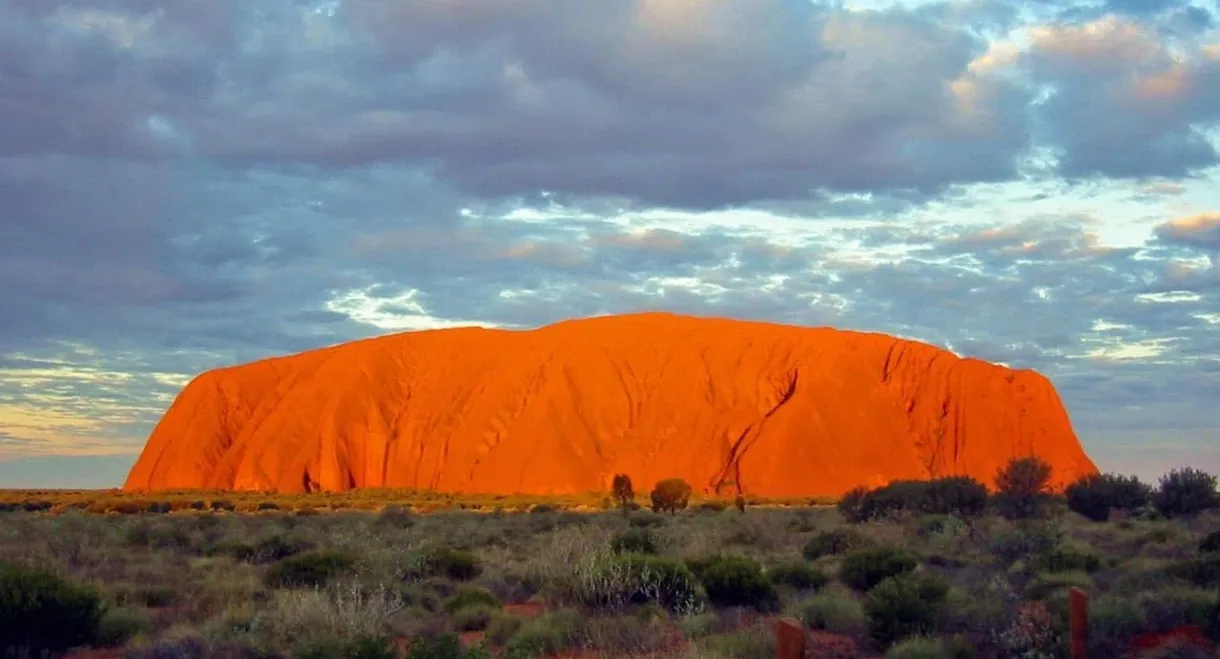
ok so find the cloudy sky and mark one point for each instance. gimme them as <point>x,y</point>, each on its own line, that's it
<point>200,183</point>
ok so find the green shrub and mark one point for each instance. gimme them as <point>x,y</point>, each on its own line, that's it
<point>473,618</point>
<point>918,647</point>
<point>1045,585</point>
<point>1168,608</point>
<point>1186,492</point>
<point>831,543</point>
<point>670,495</point>
<point>855,506</point>
<point>362,647</point>
<point>616,581</point>
<point>959,496</point>
<point>467,596</point>
<point>117,626</point>
<point>1211,543</point>
<point>865,568</point>
<point>1203,570</point>
<point>833,610</point>
<point>276,548</point>
<point>646,520</point>
<point>546,635</point>
<point>443,646</point>
<point>1023,488</point>
<point>311,569</point>
<point>41,611</point>
<point>903,606</point>
<point>1113,622</point>
<point>638,540</point>
<point>444,562</point>
<point>1095,495</point>
<point>1066,559</point>
<point>396,517</point>
<point>734,581</point>
<point>751,643</point>
<point>939,525</point>
<point>502,627</point>
<point>1027,539</point>
<point>798,575</point>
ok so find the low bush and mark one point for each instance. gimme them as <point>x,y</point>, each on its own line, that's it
<point>443,646</point>
<point>455,564</point>
<point>546,635</point>
<point>637,540</point>
<point>361,647</point>
<point>750,643</point>
<point>830,543</point>
<point>1096,495</point>
<point>615,581</point>
<point>1113,622</point>
<point>1203,571</point>
<point>467,596</point>
<point>311,569</point>
<point>41,611</point>
<point>903,606</point>
<point>926,647</point>
<point>1067,559</point>
<point>798,575</point>
<point>1210,544</point>
<point>396,517</point>
<point>1186,492</point>
<point>734,581</point>
<point>117,626</point>
<point>865,568</point>
<point>833,610</point>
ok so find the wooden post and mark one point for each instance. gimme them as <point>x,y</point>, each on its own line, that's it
<point>790,639</point>
<point>1078,603</point>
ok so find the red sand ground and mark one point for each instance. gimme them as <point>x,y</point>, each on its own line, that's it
<point>776,410</point>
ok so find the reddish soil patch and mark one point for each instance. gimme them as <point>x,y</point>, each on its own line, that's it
<point>1188,635</point>
<point>525,609</point>
<point>825,645</point>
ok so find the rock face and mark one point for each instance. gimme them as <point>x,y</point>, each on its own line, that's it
<point>728,405</point>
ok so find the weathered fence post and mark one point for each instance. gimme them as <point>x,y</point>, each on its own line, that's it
<point>1078,605</point>
<point>790,639</point>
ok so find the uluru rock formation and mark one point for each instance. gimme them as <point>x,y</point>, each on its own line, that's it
<point>771,409</point>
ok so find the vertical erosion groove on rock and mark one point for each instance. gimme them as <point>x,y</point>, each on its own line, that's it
<point>730,406</point>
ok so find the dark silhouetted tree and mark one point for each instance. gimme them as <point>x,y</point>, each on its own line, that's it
<point>624,491</point>
<point>670,495</point>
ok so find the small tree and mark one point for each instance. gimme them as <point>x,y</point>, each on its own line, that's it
<point>624,491</point>
<point>740,503</point>
<point>1023,486</point>
<point>1185,492</point>
<point>670,495</point>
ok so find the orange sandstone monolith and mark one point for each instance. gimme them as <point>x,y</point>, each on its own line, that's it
<point>728,405</point>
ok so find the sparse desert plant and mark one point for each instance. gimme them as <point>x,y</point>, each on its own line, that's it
<point>670,495</point>
<point>41,611</point>
<point>1096,495</point>
<point>750,643</point>
<point>865,568</point>
<point>1186,492</point>
<point>396,517</point>
<point>611,582</point>
<point>1113,622</point>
